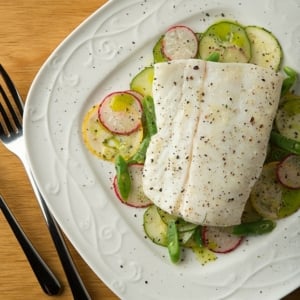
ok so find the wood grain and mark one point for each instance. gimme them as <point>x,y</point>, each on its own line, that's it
<point>29,31</point>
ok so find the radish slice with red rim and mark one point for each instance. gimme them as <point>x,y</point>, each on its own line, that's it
<point>180,42</point>
<point>220,239</point>
<point>136,197</point>
<point>288,171</point>
<point>121,112</point>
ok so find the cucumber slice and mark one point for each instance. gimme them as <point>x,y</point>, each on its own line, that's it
<point>166,217</point>
<point>289,81</point>
<point>288,119</point>
<point>266,194</point>
<point>142,82</point>
<point>184,226</point>
<point>154,227</point>
<point>290,203</point>
<point>271,199</point>
<point>266,50</point>
<point>289,96</point>
<point>185,229</point>
<point>158,55</point>
<point>250,214</point>
<point>228,39</point>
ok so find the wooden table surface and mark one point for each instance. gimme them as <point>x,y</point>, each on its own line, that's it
<point>29,31</point>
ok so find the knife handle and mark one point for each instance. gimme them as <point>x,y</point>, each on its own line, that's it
<point>76,284</point>
<point>77,287</point>
<point>44,275</point>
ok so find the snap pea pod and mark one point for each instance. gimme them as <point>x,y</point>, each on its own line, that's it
<point>123,177</point>
<point>149,127</point>
<point>173,242</point>
<point>149,113</point>
<point>254,228</point>
<point>285,143</point>
<point>140,155</point>
<point>289,81</point>
<point>276,154</point>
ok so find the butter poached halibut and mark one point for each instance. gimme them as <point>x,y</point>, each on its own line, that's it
<point>214,121</point>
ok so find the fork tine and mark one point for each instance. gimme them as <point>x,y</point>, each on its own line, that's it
<point>7,121</point>
<point>2,131</point>
<point>17,121</point>
<point>14,92</point>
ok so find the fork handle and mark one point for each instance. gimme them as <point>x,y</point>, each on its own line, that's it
<point>78,289</point>
<point>44,275</point>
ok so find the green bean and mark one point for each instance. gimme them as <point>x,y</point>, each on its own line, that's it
<point>123,177</point>
<point>150,129</point>
<point>173,242</point>
<point>149,113</point>
<point>289,81</point>
<point>254,228</point>
<point>285,143</point>
<point>140,155</point>
<point>214,57</point>
<point>276,154</point>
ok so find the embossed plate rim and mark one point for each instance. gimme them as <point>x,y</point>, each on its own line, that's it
<point>106,234</point>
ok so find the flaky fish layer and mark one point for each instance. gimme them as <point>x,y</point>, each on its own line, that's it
<point>214,122</point>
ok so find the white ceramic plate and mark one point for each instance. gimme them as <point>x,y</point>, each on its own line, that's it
<point>101,56</point>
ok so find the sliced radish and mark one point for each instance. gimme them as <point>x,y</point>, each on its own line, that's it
<point>180,42</point>
<point>121,112</point>
<point>288,171</point>
<point>105,144</point>
<point>220,239</point>
<point>136,197</point>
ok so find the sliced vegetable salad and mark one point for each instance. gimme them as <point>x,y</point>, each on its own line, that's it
<point>119,130</point>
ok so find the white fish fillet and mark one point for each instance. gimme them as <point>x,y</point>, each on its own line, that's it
<point>214,122</point>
